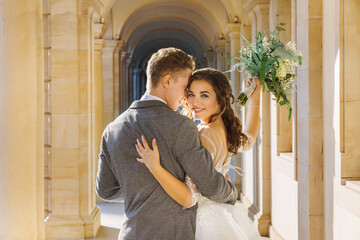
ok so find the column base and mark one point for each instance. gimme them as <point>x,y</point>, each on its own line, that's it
<point>64,227</point>
<point>264,225</point>
<point>92,223</point>
<point>72,227</point>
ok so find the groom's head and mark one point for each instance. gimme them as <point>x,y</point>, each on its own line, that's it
<point>168,72</point>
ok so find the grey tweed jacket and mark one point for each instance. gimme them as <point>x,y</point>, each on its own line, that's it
<point>149,212</point>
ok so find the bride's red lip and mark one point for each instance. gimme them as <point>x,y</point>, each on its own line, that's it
<point>198,109</point>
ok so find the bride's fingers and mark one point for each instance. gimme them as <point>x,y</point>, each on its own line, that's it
<point>138,150</point>
<point>154,145</point>
<point>146,145</point>
<point>140,146</point>
<point>140,160</point>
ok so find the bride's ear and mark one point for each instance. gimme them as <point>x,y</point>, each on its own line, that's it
<point>166,81</point>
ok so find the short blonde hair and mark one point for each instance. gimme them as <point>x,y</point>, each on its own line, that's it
<point>167,61</point>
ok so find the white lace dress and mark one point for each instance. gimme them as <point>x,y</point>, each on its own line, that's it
<point>217,220</point>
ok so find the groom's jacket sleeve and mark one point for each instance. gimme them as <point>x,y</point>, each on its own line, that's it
<point>198,165</point>
<point>107,186</point>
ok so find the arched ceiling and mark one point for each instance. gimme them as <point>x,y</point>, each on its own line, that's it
<point>144,26</point>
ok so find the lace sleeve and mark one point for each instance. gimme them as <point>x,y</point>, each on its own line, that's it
<point>195,194</point>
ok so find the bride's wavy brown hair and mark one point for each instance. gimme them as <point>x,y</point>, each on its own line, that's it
<point>222,87</point>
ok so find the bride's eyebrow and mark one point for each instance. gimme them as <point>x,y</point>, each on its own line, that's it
<point>205,92</point>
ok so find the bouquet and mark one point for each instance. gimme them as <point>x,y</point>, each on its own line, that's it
<point>273,62</point>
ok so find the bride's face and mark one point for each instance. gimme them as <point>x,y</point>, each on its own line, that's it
<point>202,100</point>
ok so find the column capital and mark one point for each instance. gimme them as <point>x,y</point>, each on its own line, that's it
<point>109,43</point>
<point>119,44</point>
<point>98,45</point>
<point>251,4</point>
<point>233,30</point>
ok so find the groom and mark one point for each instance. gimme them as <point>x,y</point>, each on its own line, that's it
<point>149,212</point>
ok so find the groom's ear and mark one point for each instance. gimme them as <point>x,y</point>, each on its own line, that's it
<point>166,81</point>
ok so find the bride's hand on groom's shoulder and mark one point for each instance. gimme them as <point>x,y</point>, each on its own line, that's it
<point>151,158</point>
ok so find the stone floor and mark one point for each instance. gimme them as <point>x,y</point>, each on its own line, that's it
<point>111,219</point>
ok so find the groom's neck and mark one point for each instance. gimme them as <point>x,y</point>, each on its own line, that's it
<point>157,93</point>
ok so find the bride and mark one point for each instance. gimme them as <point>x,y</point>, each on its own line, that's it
<point>210,98</point>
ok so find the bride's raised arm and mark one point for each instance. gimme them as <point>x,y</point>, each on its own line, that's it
<point>252,117</point>
<point>184,194</point>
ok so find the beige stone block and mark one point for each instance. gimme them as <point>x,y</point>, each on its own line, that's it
<point>64,64</point>
<point>64,31</point>
<point>63,7</point>
<point>316,191</point>
<point>266,162</point>
<point>108,118</point>
<point>65,131</point>
<point>56,227</point>
<point>266,196</point>
<point>65,97</point>
<point>315,8</point>
<point>47,192</point>
<point>46,29</point>
<point>315,92</point>
<point>84,66</point>
<point>303,186</point>
<point>304,224</point>
<point>350,160</point>
<point>84,130</point>
<point>65,163</point>
<point>303,139</point>
<point>315,43</point>
<point>303,92</point>
<point>47,157</point>
<point>302,42</point>
<point>84,98</point>
<point>302,11</point>
<point>84,31</point>
<point>283,7</point>
<point>285,36</point>
<point>316,227</point>
<point>65,197</point>
<point>315,141</point>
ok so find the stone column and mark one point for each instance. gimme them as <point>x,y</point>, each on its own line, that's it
<point>233,32</point>
<point>211,56</point>
<point>220,54</point>
<point>22,120</point>
<point>122,81</point>
<point>128,81</point>
<point>258,12</point>
<point>116,99</point>
<point>108,64</point>
<point>310,120</point>
<point>331,111</point>
<point>97,103</point>
<point>73,214</point>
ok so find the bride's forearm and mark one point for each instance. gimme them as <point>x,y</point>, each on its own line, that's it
<point>175,188</point>
<point>253,118</point>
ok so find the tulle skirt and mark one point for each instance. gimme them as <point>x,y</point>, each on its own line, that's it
<point>223,221</point>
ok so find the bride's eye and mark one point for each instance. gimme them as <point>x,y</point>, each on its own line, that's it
<point>204,95</point>
<point>190,95</point>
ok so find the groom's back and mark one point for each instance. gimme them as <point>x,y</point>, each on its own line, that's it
<point>150,212</point>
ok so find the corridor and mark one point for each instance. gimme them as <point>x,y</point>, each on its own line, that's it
<point>70,67</point>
